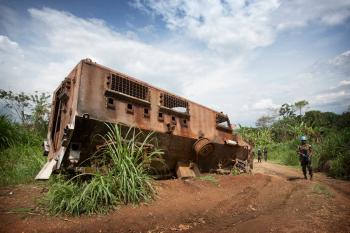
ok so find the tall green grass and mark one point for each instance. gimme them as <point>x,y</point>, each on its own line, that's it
<point>131,163</point>
<point>13,134</point>
<point>20,153</point>
<point>335,148</point>
<point>75,197</point>
<point>20,163</point>
<point>284,153</point>
<point>127,180</point>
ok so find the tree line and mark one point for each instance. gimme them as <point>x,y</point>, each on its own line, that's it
<point>328,132</point>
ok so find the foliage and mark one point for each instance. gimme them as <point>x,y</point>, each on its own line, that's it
<point>13,134</point>
<point>287,110</point>
<point>22,130</point>
<point>320,119</point>
<point>256,137</point>
<point>300,105</point>
<point>329,134</point>
<point>284,153</point>
<point>264,121</point>
<point>40,112</point>
<point>127,180</point>
<point>75,197</point>
<point>235,171</point>
<point>32,111</point>
<point>335,147</point>
<point>18,103</point>
<point>20,163</point>
<point>131,163</point>
<point>211,179</point>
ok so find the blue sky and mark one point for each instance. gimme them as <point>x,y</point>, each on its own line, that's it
<point>241,57</point>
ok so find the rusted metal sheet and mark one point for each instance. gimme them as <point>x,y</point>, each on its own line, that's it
<point>93,94</point>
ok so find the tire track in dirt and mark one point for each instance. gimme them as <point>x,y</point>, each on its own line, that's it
<point>273,199</point>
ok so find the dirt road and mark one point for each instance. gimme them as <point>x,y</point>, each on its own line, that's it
<point>274,199</point>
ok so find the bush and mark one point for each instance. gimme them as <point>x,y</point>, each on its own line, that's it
<point>284,153</point>
<point>7,133</point>
<point>127,179</point>
<point>20,163</point>
<point>335,147</point>
<point>12,133</point>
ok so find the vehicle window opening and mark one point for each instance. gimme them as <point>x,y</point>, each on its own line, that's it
<point>223,121</point>
<point>174,103</point>
<point>129,87</point>
<point>160,116</point>
<point>146,112</point>
<point>130,108</point>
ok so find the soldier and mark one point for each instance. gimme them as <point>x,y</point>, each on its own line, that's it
<point>259,155</point>
<point>305,153</point>
<point>265,154</point>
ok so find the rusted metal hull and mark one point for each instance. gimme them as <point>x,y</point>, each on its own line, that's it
<point>92,95</point>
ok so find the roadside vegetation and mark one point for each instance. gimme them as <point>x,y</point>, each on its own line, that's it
<point>23,124</point>
<point>125,178</point>
<point>327,132</point>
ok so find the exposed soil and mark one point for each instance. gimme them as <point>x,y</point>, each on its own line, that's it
<point>274,199</point>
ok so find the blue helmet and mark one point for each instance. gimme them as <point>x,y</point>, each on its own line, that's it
<point>303,138</point>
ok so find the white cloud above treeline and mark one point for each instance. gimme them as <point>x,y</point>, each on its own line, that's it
<point>37,52</point>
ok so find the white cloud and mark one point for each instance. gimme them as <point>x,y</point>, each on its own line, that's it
<point>332,96</point>
<point>55,41</point>
<point>221,25</point>
<point>300,13</point>
<point>344,83</point>
<point>230,27</point>
<point>341,59</point>
<point>264,104</point>
<point>62,39</point>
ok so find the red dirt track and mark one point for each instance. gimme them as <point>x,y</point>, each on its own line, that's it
<point>274,199</point>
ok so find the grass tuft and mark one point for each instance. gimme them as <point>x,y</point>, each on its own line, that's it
<point>127,180</point>
<point>211,179</point>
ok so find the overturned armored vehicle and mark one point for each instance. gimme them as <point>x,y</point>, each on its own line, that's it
<point>92,95</point>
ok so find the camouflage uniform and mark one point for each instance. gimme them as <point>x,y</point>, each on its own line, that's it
<point>259,156</point>
<point>305,153</point>
<point>265,154</point>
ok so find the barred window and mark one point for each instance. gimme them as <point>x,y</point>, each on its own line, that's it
<point>173,102</point>
<point>129,87</point>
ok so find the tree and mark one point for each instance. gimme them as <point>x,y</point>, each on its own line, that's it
<point>18,103</point>
<point>31,110</point>
<point>300,105</point>
<point>287,110</point>
<point>40,111</point>
<point>264,121</point>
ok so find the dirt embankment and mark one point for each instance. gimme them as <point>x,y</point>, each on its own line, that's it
<point>274,199</point>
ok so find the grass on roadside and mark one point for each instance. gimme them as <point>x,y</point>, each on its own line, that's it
<point>210,178</point>
<point>127,179</point>
<point>20,163</point>
<point>321,190</point>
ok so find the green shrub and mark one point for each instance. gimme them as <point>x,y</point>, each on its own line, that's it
<point>340,166</point>
<point>12,133</point>
<point>7,133</point>
<point>20,163</point>
<point>284,153</point>
<point>335,147</point>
